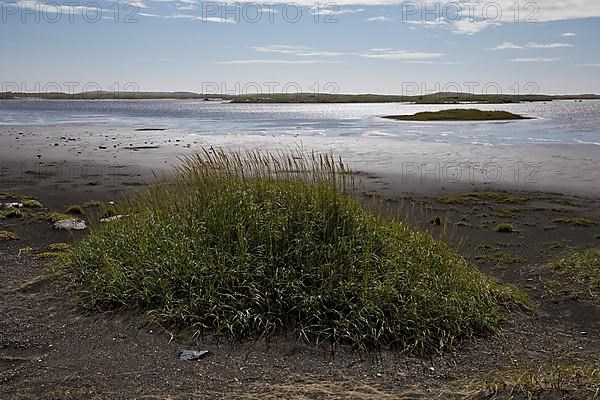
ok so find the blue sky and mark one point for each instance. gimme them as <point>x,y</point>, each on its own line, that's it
<point>353,46</point>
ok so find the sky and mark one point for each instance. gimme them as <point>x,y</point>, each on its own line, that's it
<point>351,46</point>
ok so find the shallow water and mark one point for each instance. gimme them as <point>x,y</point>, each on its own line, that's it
<point>560,122</point>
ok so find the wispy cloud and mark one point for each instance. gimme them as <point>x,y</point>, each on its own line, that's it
<point>468,27</point>
<point>534,60</point>
<point>191,18</point>
<point>267,61</point>
<point>568,34</point>
<point>530,45</point>
<point>437,22</point>
<point>187,5</point>
<point>305,51</point>
<point>507,45</point>
<point>334,10</point>
<point>401,55</point>
<point>301,51</point>
<point>379,19</point>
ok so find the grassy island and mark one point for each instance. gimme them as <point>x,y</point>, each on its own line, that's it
<point>459,114</point>
<point>252,245</point>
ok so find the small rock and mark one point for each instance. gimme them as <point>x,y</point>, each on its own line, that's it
<point>192,355</point>
<point>11,205</point>
<point>70,224</point>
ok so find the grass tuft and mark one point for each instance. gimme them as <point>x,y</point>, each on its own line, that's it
<point>6,235</point>
<point>32,203</point>
<point>254,244</point>
<point>64,247</point>
<point>581,268</point>
<point>10,212</point>
<point>505,227</point>
<point>578,221</point>
<point>54,216</point>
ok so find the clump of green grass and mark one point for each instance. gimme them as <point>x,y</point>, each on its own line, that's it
<point>555,381</point>
<point>505,227</point>
<point>25,250</point>
<point>55,216</point>
<point>7,235</point>
<point>75,209</point>
<point>64,247</point>
<point>482,197</point>
<point>250,245</point>
<point>10,212</point>
<point>32,203</point>
<point>579,221</point>
<point>581,268</point>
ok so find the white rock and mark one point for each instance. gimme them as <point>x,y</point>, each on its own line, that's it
<point>70,224</point>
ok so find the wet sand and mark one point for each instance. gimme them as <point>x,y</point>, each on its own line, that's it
<point>98,158</point>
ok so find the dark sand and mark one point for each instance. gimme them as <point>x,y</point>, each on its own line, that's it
<point>50,349</point>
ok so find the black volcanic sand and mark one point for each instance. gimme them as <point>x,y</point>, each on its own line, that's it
<point>50,348</point>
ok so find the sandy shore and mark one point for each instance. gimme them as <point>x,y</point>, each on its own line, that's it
<point>99,159</point>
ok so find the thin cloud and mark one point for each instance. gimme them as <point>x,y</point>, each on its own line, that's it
<point>532,45</point>
<point>507,45</point>
<point>468,27</point>
<point>437,22</point>
<point>401,55</point>
<point>266,61</point>
<point>568,34</point>
<point>191,18</point>
<point>534,60</point>
<point>300,51</point>
<point>187,5</point>
<point>334,10</point>
<point>378,19</point>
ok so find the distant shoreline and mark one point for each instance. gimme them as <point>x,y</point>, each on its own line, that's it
<point>435,98</point>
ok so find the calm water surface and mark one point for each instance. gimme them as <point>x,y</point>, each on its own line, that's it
<point>565,122</point>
